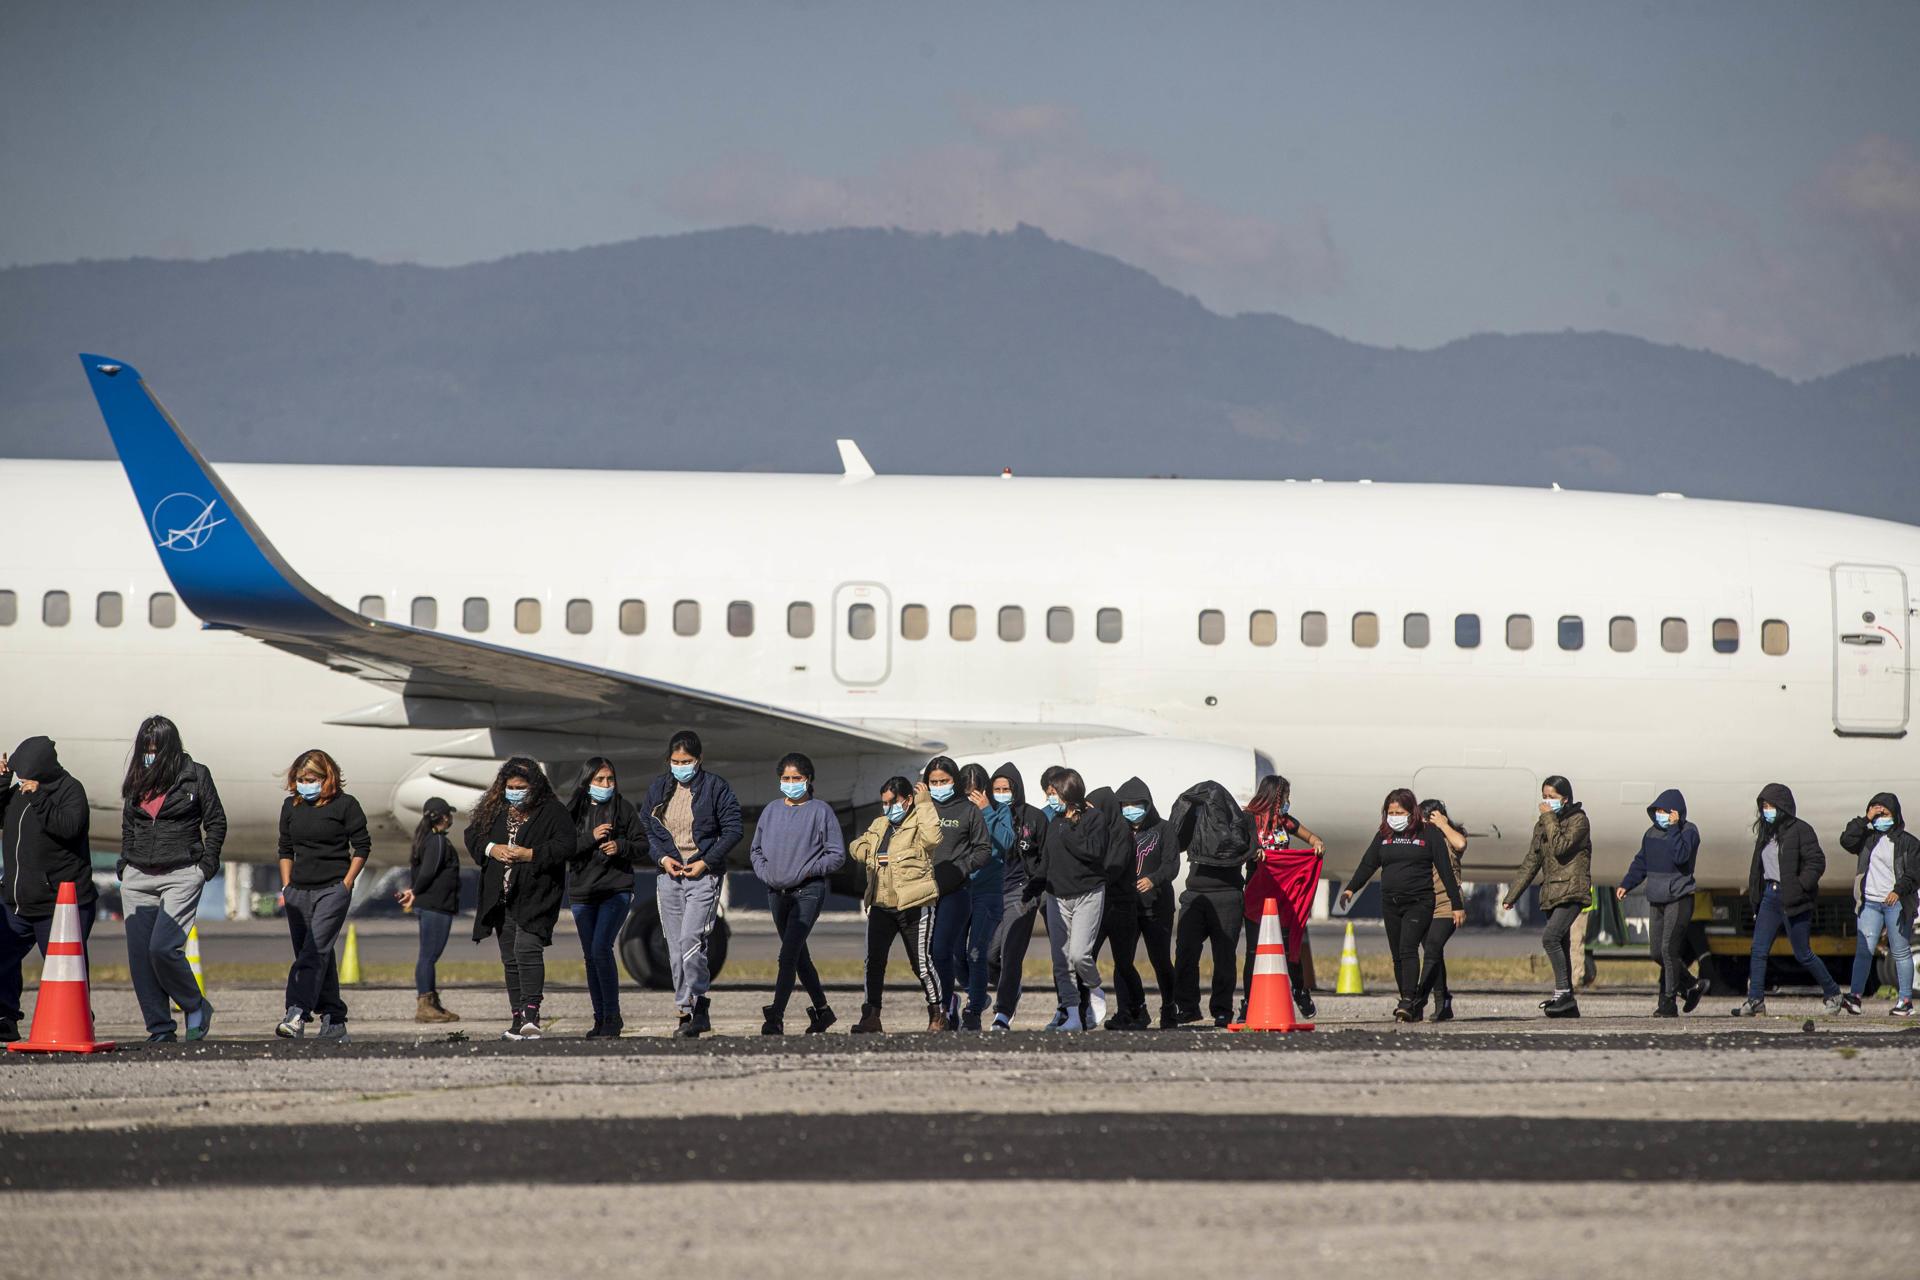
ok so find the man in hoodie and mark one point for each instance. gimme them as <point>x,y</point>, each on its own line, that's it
<point>1208,825</point>
<point>1665,866</point>
<point>1783,882</point>
<point>43,839</point>
<point>1886,888</point>
<point>1022,899</point>
<point>1120,918</point>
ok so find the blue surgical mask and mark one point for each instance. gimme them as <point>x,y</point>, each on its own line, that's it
<point>684,772</point>
<point>1133,812</point>
<point>896,813</point>
<point>516,796</point>
<point>1003,799</point>
<point>1056,805</point>
<point>940,794</point>
<point>1883,824</point>
<point>600,794</point>
<point>1553,806</point>
<point>793,790</point>
<point>1770,814</point>
<point>147,760</point>
<point>1662,819</point>
<point>308,790</point>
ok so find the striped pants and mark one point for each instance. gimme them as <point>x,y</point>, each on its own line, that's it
<point>914,928</point>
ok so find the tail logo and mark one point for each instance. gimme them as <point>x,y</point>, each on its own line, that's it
<point>183,522</point>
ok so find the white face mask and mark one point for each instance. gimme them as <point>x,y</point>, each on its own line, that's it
<point>1397,821</point>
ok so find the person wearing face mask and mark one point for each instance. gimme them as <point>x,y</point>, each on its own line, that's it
<point>1664,865</point>
<point>1119,921</point>
<point>1783,883</point>
<point>1886,887</point>
<point>1078,858</point>
<point>521,837</point>
<point>1285,876</point>
<point>1023,901</point>
<point>608,835</point>
<point>1409,853</point>
<point>1561,855</point>
<point>796,845</point>
<point>694,822</point>
<point>897,850</point>
<point>172,826</point>
<point>1449,913</point>
<point>1156,861</point>
<point>324,844</point>
<point>44,826</point>
<point>985,891</point>
<point>965,848</point>
<point>433,896</point>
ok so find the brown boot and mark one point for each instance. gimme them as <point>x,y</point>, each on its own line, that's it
<point>446,1014</point>
<point>936,1018</point>
<point>429,1009</point>
<point>869,1020</point>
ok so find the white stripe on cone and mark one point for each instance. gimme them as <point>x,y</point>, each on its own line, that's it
<point>66,924</point>
<point>1276,966</point>
<point>63,969</point>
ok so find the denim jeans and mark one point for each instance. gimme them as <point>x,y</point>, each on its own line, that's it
<point>599,923</point>
<point>982,928</point>
<point>435,927</point>
<point>1877,918</point>
<point>794,913</point>
<point>1767,924</point>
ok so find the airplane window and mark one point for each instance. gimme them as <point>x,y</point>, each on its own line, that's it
<point>800,620</point>
<point>1773,637</point>
<point>1013,623</point>
<point>1623,634</point>
<point>1673,635</point>
<point>373,606</point>
<point>160,609</point>
<point>740,618</point>
<point>9,608</point>
<point>1313,629</point>
<point>686,617</point>
<point>913,622</point>
<point>962,622</point>
<point>1059,624</point>
<point>1573,632</point>
<point>1263,628</point>
<point>1106,626</point>
<point>1213,626</point>
<point>1366,630</point>
<point>56,608</point>
<point>107,609</point>
<point>474,614</point>
<point>633,617</point>
<point>1466,631</point>
<point>1416,631</point>
<point>860,622</point>
<point>1519,631</point>
<point>526,616</point>
<point>1726,635</point>
<point>579,616</point>
<point>426,612</point>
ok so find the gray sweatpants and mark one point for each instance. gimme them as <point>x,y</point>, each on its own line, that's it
<point>159,911</point>
<point>1080,918</point>
<point>687,910</point>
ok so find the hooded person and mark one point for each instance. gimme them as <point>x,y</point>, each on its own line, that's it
<point>1156,861</point>
<point>1209,826</point>
<point>44,826</point>
<point>1663,868</point>
<point>1120,918</point>
<point>1783,883</point>
<point>1022,893</point>
<point>1886,888</point>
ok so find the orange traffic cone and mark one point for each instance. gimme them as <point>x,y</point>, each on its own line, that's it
<point>1270,1005</point>
<point>62,1015</point>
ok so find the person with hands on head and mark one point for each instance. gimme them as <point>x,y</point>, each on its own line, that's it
<point>1077,856</point>
<point>522,837</point>
<point>986,889</point>
<point>433,896</point>
<point>1886,887</point>
<point>693,823</point>
<point>1449,913</point>
<point>1561,855</point>
<point>600,874</point>
<point>172,826</point>
<point>1664,866</point>
<point>796,845</point>
<point>324,845</point>
<point>965,850</point>
<point>897,850</point>
<point>1408,852</point>
<point>44,827</point>
<point>1287,877</point>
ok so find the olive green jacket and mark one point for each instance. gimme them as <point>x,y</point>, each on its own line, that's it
<point>1562,856</point>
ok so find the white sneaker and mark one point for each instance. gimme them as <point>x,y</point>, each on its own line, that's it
<point>1059,1019</point>
<point>1098,999</point>
<point>1071,1022</point>
<point>294,1025</point>
<point>1001,1022</point>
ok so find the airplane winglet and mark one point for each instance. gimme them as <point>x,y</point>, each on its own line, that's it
<point>853,463</point>
<point>224,568</point>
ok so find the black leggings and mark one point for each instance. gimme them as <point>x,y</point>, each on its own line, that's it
<point>1210,916</point>
<point>1407,922</point>
<point>1120,930</point>
<point>1296,972</point>
<point>1433,968</point>
<point>1156,930</point>
<point>1558,943</point>
<point>914,928</point>
<point>524,957</point>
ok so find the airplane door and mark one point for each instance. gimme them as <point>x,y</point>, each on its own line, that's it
<point>1871,670</point>
<point>862,633</point>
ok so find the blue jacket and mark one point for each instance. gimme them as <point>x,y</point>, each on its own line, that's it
<point>992,876</point>
<point>1666,857</point>
<point>716,819</point>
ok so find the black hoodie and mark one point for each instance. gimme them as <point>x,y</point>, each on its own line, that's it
<point>1078,853</point>
<point>1121,854</point>
<point>1216,835</point>
<point>1155,856</point>
<point>43,835</point>
<point>1802,861</point>
<point>1860,840</point>
<point>1029,833</point>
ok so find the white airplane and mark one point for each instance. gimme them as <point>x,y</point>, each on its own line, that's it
<point>423,623</point>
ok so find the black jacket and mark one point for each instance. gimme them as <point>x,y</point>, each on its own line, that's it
<point>532,896</point>
<point>593,875</point>
<point>1026,860</point>
<point>1802,861</point>
<point>964,846</point>
<point>1076,853</point>
<point>716,819</point>
<point>1156,855</point>
<point>1860,840</point>
<point>188,831</point>
<point>322,840</point>
<point>1213,831</point>
<point>435,875</point>
<point>1407,862</point>
<point>43,836</point>
<point>1120,851</point>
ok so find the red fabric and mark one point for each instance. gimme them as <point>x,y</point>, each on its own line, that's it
<point>151,804</point>
<point>1289,877</point>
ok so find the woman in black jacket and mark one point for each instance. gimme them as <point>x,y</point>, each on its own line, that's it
<point>1076,851</point>
<point>43,845</point>
<point>323,847</point>
<point>1156,862</point>
<point>1409,852</point>
<point>434,899</point>
<point>1783,882</point>
<point>608,834</point>
<point>171,830</point>
<point>521,838</point>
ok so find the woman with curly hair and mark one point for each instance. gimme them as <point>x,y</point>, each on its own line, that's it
<point>521,837</point>
<point>323,846</point>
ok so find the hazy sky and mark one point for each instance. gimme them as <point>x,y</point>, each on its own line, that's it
<point>1742,176</point>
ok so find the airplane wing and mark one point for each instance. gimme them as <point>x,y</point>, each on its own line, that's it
<point>233,579</point>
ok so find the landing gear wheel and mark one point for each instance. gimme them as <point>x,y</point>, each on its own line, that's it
<point>643,947</point>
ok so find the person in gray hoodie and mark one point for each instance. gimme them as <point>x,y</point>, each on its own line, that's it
<point>1664,866</point>
<point>797,844</point>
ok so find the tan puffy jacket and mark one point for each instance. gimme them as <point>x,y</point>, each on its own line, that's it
<point>905,880</point>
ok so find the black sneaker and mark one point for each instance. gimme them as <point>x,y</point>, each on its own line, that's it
<point>1901,1009</point>
<point>1222,1020</point>
<point>701,1022</point>
<point>513,1032</point>
<point>771,1022</point>
<point>1666,1008</point>
<point>597,1030</point>
<point>969,1020</point>
<point>819,1018</point>
<point>163,1037</point>
<point>1695,994</point>
<point>1850,1003</point>
<point>1443,1012</point>
<point>1750,1009</point>
<point>1303,1001</point>
<point>9,1031</point>
<point>1563,1007</point>
<point>1183,1017</point>
<point>612,1027</point>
